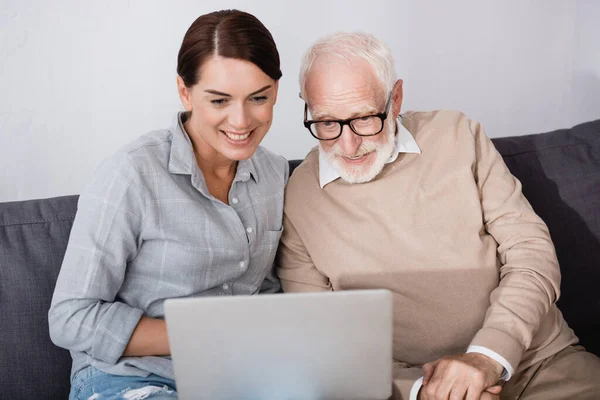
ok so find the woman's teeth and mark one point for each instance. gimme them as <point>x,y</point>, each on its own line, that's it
<point>234,136</point>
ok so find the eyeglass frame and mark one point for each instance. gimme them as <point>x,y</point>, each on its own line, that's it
<point>382,116</point>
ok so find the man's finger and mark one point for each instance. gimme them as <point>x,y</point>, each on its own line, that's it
<point>458,391</point>
<point>441,382</point>
<point>474,391</point>
<point>433,383</point>
<point>496,389</point>
<point>488,396</point>
<point>427,372</point>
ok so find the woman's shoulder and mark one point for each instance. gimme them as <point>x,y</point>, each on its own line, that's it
<point>155,145</point>
<point>144,154</point>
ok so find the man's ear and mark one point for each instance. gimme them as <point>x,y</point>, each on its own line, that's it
<point>397,95</point>
<point>184,94</point>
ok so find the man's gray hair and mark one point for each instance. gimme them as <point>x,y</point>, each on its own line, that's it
<point>349,46</point>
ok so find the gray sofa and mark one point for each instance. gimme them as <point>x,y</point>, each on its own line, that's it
<point>560,172</point>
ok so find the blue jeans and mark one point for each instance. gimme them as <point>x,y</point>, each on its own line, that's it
<point>92,384</point>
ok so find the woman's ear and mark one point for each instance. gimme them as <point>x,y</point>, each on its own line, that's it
<point>184,94</point>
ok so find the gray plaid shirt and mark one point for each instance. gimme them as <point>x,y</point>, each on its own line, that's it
<point>146,230</point>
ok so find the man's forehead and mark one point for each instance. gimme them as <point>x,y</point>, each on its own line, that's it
<point>343,108</point>
<point>334,78</point>
<point>341,88</point>
<point>328,66</point>
<point>344,100</point>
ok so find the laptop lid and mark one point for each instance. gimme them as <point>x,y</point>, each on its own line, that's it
<point>332,345</point>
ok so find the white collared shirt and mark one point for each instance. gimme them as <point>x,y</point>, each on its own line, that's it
<point>405,143</point>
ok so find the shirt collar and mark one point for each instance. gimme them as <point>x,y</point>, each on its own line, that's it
<point>182,158</point>
<point>246,169</point>
<point>405,143</point>
<point>183,161</point>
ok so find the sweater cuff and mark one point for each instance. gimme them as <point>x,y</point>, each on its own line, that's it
<point>501,344</point>
<point>114,331</point>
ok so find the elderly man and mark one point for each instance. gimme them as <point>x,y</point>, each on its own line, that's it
<point>423,205</point>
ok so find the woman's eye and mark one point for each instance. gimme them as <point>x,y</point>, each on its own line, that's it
<point>217,102</point>
<point>259,99</point>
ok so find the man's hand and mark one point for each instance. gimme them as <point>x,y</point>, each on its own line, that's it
<point>465,376</point>
<point>488,396</point>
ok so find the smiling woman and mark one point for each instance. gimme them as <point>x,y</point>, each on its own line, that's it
<point>155,221</point>
<point>228,81</point>
<point>231,109</point>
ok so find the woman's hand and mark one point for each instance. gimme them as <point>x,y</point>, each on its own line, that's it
<point>148,339</point>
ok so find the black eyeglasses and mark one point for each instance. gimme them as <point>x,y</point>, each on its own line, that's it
<point>367,125</point>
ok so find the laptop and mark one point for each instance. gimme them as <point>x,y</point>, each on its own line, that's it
<point>298,346</point>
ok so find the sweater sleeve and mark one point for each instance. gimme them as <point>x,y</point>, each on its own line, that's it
<point>85,314</point>
<point>529,275</point>
<point>294,266</point>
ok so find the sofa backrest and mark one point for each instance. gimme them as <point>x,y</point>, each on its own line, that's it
<point>33,239</point>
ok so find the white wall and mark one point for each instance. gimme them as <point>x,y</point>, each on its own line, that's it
<point>585,78</point>
<point>79,79</point>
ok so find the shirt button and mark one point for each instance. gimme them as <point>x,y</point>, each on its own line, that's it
<point>234,200</point>
<point>242,264</point>
<point>249,229</point>
<point>225,286</point>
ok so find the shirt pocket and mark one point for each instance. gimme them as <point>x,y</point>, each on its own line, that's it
<point>269,215</point>
<point>271,237</point>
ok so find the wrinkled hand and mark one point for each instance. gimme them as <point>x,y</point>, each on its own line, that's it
<point>489,396</point>
<point>471,376</point>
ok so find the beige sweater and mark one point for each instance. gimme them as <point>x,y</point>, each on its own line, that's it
<point>449,232</point>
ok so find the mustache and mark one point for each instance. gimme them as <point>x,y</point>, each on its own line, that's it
<point>365,148</point>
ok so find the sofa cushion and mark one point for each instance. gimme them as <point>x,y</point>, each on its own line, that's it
<point>560,173</point>
<point>33,237</point>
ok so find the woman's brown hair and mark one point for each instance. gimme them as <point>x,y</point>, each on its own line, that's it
<point>227,33</point>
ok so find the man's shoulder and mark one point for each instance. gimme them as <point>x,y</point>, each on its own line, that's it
<point>415,121</point>
<point>431,114</point>
<point>305,175</point>
<point>431,128</point>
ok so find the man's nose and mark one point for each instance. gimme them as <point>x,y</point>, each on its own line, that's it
<point>349,141</point>
<point>239,117</point>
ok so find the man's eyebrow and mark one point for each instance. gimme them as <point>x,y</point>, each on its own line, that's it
<point>363,111</point>
<point>216,92</point>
